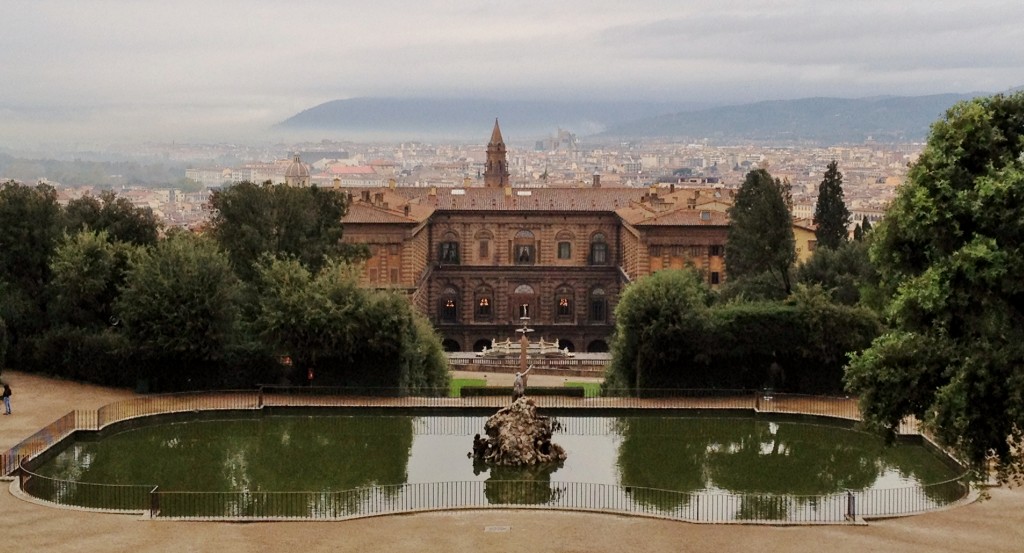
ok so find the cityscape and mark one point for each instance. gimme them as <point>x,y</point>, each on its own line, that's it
<point>453,275</point>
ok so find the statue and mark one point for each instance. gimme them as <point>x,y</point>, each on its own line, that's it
<point>519,384</point>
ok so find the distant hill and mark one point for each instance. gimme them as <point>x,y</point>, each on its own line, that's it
<point>471,118</point>
<point>807,120</point>
<point>816,120</point>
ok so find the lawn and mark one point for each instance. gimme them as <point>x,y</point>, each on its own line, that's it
<point>457,384</point>
<point>590,389</point>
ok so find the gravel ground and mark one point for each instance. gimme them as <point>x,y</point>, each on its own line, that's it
<point>993,525</point>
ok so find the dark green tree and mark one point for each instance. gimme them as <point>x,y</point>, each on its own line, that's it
<point>31,225</point>
<point>760,236</point>
<point>830,213</point>
<point>845,272</point>
<point>117,216</point>
<point>949,250</point>
<point>865,225</point>
<point>348,336</point>
<point>659,322</point>
<point>179,309</point>
<point>305,223</point>
<point>88,270</point>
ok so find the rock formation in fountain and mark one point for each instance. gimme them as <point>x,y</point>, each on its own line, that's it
<point>517,436</point>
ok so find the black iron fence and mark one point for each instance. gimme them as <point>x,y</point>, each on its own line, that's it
<point>689,506</point>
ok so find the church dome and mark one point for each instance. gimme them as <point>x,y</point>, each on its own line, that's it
<point>297,173</point>
<point>297,169</point>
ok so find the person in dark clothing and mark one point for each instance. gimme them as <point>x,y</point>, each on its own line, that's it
<point>7,399</point>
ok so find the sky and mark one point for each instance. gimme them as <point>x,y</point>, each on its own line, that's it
<point>214,70</point>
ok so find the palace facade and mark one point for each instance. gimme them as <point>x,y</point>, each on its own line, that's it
<point>477,258</point>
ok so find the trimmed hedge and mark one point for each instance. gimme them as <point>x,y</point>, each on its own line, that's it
<point>479,391</point>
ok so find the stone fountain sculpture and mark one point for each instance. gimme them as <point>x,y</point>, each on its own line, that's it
<point>516,435</point>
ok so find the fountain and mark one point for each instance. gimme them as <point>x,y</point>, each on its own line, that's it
<point>516,435</point>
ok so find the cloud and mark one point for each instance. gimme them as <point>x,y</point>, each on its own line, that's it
<point>253,62</point>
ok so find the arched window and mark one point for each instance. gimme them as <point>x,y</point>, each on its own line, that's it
<point>483,301</point>
<point>449,309</point>
<point>524,302</point>
<point>598,249</point>
<point>598,312</point>
<point>448,250</point>
<point>563,304</point>
<point>524,248</point>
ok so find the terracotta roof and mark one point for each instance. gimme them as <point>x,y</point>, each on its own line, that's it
<point>374,210</point>
<point>525,199</point>
<point>641,215</point>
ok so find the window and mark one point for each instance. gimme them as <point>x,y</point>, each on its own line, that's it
<point>524,248</point>
<point>696,251</point>
<point>393,249</point>
<point>655,251</point>
<point>484,244</point>
<point>714,277</point>
<point>563,304</point>
<point>598,305</point>
<point>524,255</point>
<point>705,215</point>
<point>565,250</point>
<point>449,305</point>
<point>394,276</point>
<point>716,251</point>
<point>449,252</point>
<point>484,302</point>
<point>811,245</point>
<point>598,250</point>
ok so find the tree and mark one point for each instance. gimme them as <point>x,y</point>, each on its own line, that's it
<point>949,250</point>
<point>179,308</point>
<point>830,214</point>
<point>760,236</point>
<point>251,220</point>
<point>347,335</point>
<point>659,325</point>
<point>845,272</point>
<point>88,269</point>
<point>31,223</point>
<point>121,220</point>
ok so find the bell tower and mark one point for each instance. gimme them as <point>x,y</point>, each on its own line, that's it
<point>496,167</point>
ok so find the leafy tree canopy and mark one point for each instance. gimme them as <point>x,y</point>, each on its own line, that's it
<point>950,252</point>
<point>760,236</point>
<point>179,309</point>
<point>305,223</point>
<point>117,216</point>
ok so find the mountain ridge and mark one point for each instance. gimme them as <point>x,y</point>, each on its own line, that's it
<point>819,119</point>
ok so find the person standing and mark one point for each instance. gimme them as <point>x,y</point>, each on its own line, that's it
<point>7,399</point>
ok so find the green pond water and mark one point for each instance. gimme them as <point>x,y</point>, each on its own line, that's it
<point>330,452</point>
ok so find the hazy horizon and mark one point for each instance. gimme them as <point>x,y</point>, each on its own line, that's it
<point>118,71</point>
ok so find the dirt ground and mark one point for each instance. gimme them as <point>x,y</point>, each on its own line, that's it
<point>993,525</point>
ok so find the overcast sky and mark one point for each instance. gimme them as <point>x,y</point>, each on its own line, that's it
<point>221,69</point>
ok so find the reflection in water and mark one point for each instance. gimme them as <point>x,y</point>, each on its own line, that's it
<point>682,465</point>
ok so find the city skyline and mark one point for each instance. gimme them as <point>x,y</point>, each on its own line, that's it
<point>122,71</point>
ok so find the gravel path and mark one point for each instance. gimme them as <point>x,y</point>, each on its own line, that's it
<point>994,525</point>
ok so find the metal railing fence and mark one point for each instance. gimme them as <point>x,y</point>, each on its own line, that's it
<point>688,506</point>
<point>702,506</point>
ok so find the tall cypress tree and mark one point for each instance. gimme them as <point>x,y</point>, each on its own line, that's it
<point>761,230</point>
<point>830,214</point>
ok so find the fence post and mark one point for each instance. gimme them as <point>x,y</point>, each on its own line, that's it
<point>851,506</point>
<point>154,502</point>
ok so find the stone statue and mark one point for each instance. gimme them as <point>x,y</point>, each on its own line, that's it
<point>519,384</point>
<point>517,436</point>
